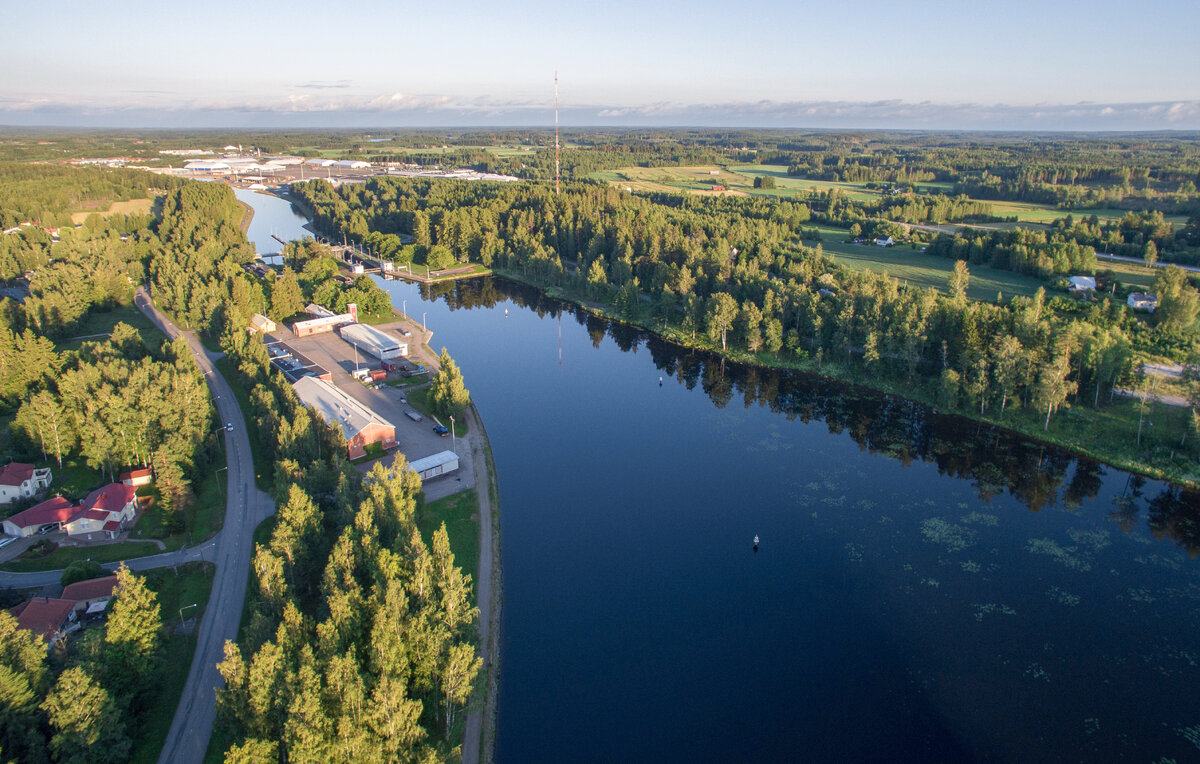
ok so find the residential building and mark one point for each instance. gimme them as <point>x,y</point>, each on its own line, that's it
<point>137,478</point>
<point>22,481</point>
<point>51,619</point>
<point>91,596</point>
<point>1082,284</point>
<point>106,510</point>
<point>884,241</point>
<point>1147,301</point>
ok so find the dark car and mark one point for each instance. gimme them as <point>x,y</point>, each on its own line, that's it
<point>440,429</point>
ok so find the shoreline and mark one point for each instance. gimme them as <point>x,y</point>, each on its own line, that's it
<point>830,370</point>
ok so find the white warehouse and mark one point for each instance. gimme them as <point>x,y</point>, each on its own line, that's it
<point>438,464</point>
<point>378,343</point>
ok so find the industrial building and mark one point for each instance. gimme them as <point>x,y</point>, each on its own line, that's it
<point>437,464</point>
<point>320,325</point>
<point>377,342</point>
<point>360,425</point>
<point>293,364</point>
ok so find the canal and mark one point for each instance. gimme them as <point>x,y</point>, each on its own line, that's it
<point>925,589</point>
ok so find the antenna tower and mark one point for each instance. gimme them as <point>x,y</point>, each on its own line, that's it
<point>555,132</point>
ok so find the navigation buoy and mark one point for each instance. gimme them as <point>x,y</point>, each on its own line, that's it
<point>506,312</point>
<point>660,381</point>
<point>756,542</point>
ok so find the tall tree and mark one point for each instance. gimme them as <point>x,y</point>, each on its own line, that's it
<point>87,725</point>
<point>447,394</point>
<point>720,314</point>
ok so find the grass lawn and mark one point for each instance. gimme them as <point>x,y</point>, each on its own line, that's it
<point>65,555</point>
<point>419,400</point>
<point>190,585</point>
<point>102,322</point>
<point>75,479</point>
<point>460,513</point>
<point>1130,273</point>
<point>920,269</point>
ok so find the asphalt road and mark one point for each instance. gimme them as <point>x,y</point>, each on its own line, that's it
<point>206,552</point>
<point>187,740</point>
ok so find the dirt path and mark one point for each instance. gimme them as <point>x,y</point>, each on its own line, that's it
<point>478,740</point>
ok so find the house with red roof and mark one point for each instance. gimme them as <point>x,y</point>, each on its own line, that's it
<point>54,511</point>
<point>137,478</point>
<point>106,511</point>
<point>22,481</point>
<point>91,596</point>
<point>51,619</point>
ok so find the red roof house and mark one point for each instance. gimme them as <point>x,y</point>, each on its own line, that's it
<point>138,477</point>
<point>45,617</point>
<point>105,510</point>
<point>56,510</point>
<point>21,481</point>
<point>85,594</point>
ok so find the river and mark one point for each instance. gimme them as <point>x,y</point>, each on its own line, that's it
<point>925,589</point>
<point>273,216</point>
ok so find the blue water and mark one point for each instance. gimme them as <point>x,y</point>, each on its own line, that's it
<point>892,612</point>
<point>926,589</point>
<point>272,215</point>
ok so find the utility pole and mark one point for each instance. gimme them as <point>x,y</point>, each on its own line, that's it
<point>556,132</point>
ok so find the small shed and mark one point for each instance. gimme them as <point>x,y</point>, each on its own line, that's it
<point>261,323</point>
<point>1147,301</point>
<point>437,464</point>
<point>1082,284</point>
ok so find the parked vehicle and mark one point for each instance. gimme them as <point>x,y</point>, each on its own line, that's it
<point>47,528</point>
<point>6,540</point>
<point>413,415</point>
<point>378,374</point>
<point>390,366</point>
<point>441,429</point>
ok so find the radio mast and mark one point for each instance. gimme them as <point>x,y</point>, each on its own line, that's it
<point>556,132</point>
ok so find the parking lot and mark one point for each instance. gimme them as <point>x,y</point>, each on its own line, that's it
<point>416,439</point>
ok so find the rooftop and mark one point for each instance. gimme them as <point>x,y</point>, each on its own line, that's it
<point>91,589</point>
<point>336,406</point>
<point>15,473</point>
<point>55,510</point>
<point>43,616</point>
<point>111,498</point>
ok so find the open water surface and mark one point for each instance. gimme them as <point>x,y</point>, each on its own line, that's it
<point>925,589</point>
<point>272,215</point>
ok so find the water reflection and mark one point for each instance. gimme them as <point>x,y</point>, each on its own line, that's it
<point>993,460</point>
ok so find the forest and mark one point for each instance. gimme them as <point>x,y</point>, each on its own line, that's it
<point>361,643</point>
<point>732,273</point>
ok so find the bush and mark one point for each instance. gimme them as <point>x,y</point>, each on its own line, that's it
<point>81,570</point>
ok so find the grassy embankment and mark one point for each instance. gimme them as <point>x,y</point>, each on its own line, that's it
<point>419,400</point>
<point>1108,434</point>
<point>460,513</point>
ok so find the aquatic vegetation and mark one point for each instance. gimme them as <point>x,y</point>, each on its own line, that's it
<point>981,518</point>
<point>991,607</point>
<point>834,501</point>
<point>1094,539</point>
<point>1036,671</point>
<point>1064,555</point>
<point>933,582</point>
<point>1191,734</point>
<point>865,504</point>
<point>1091,726</point>
<point>1140,595</point>
<point>970,566</point>
<point>1062,597</point>
<point>854,552</point>
<point>812,486</point>
<point>954,537</point>
<point>1159,560</point>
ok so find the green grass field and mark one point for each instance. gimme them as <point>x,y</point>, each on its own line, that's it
<point>102,322</point>
<point>919,269</point>
<point>65,555</point>
<point>460,513</point>
<point>1131,274</point>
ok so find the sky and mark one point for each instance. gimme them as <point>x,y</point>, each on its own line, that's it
<point>920,64</point>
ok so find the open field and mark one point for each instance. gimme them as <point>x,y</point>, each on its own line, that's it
<point>131,207</point>
<point>1130,273</point>
<point>920,269</point>
<point>673,179</point>
<point>98,322</point>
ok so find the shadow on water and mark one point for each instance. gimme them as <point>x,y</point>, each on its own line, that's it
<point>994,460</point>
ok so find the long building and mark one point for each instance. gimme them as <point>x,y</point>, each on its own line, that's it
<point>377,342</point>
<point>360,425</point>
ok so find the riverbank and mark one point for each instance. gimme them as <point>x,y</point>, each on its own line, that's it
<point>247,217</point>
<point>1099,434</point>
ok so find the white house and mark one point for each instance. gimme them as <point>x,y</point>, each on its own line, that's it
<point>22,481</point>
<point>1147,301</point>
<point>884,242</point>
<point>105,510</point>
<point>1082,284</point>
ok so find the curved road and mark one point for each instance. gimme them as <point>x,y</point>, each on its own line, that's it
<point>187,740</point>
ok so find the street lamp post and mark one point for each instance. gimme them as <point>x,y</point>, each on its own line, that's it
<point>185,607</point>
<point>453,438</point>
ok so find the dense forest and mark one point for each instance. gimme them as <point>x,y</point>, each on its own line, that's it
<point>361,640</point>
<point>733,273</point>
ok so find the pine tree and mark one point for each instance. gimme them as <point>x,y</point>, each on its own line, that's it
<point>87,725</point>
<point>447,394</point>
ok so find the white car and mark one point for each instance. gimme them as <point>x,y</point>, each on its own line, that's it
<point>229,426</point>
